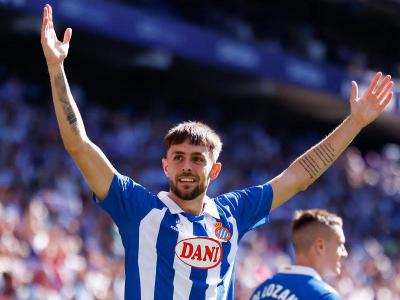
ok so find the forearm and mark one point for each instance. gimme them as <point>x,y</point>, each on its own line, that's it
<point>92,162</point>
<point>68,117</point>
<point>309,166</point>
<point>314,162</point>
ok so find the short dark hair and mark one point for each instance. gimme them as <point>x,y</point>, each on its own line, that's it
<point>197,133</point>
<point>308,222</point>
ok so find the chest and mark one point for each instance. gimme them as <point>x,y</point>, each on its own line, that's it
<point>201,243</point>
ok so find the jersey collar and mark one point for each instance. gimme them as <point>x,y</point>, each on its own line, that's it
<point>209,205</point>
<point>299,270</point>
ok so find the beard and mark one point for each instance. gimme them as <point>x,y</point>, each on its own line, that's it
<point>190,194</point>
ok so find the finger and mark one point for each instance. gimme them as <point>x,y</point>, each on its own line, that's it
<point>67,35</point>
<point>45,19</point>
<point>382,85</point>
<point>50,16</point>
<point>47,28</point>
<point>51,24</point>
<point>385,91</point>
<point>50,12</point>
<point>374,82</point>
<point>354,90</point>
<point>48,22</point>
<point>386,101</point>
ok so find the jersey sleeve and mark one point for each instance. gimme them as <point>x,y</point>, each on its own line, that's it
<point>250,206</point>
<point>126,200</point>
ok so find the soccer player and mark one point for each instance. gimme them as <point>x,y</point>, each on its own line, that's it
<point>180,244</point>
<point>318,241</point>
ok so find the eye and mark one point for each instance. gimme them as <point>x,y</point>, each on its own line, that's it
<point>198,159</point>
<point>178,157</point>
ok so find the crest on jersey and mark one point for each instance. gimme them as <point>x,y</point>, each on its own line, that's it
<point>222,232</point>
<point>199,252</point>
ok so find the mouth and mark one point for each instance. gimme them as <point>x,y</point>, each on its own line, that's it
<point>186,179</point>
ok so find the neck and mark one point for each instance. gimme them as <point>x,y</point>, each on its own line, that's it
<point>305,261</point>
<point>194,206</point>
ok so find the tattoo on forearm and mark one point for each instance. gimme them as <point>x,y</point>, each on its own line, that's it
<point>325,152</point>
<point>321,156</point>
<point>306,168</point>
<point>62,92</point>
<point>313,163</point>
<point>328,151</point>
<point>309,164</point>
<point>331,148</point>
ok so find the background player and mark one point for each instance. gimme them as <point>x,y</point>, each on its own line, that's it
<point>318,240</point>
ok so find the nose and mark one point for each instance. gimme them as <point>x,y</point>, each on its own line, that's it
<point>186,166</point>
<point>344,252</point>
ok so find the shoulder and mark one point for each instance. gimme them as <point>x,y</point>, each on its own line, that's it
<point>330,296</point>
<point>123,182</point>
<point>242,194</point>
<point>326,291</point>
<point>259,291</point>
<point>130,192</point>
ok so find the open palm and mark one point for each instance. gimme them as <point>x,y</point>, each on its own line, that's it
<point>54,50</point>
<point>370,105</point>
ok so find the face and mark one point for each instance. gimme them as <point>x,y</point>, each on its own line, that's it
<point>334,251</point>
<point>189,169</point>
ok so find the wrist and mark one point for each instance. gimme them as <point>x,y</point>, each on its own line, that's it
<point>55,67</point>
<point>355,122</point>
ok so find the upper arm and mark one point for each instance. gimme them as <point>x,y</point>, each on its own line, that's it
<point>95,167</point>
<point>251,206</point>
<point>285,186</point>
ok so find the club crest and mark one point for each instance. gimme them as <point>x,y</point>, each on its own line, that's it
<point>222,232</point>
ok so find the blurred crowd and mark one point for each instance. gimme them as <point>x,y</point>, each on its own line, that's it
<point>55,243</point>
<point>308,29</point>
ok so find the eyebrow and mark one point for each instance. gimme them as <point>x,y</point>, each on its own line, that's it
<point>178,152</point>
<point>193,154</point>
<point>198,153</point>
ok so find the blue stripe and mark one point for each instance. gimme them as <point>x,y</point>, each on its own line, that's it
<point>166,241</point>
<point>198,276</point>
<point>131,245</point>
<point>226,246</point>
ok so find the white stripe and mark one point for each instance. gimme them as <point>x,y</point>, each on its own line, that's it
<point>213,275</point>
<point>147,256</point>
<point>231,256</point>
<point>182,282</point>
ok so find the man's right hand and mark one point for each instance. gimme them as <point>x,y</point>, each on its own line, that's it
<point>54,50</point>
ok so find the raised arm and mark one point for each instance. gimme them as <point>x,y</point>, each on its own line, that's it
<point>315,161</point>
<point>93,164</point>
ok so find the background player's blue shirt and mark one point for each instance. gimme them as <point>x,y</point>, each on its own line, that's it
<point>295,283</point>
<point>170,254</point>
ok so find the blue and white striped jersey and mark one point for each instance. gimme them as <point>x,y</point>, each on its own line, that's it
<point>170,254</point>
<point>295,283</point>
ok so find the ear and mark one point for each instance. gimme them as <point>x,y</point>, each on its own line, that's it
<point>319,245</point>
<point>165,166</point>
<point>215,170</point>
